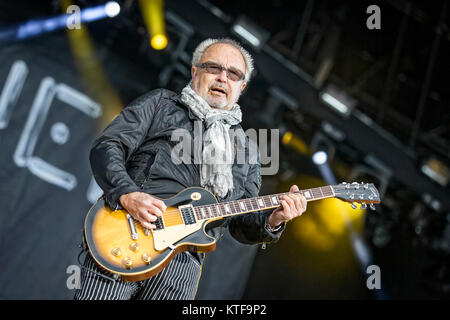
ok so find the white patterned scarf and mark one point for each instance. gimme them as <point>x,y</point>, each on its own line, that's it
<point>217,152</point>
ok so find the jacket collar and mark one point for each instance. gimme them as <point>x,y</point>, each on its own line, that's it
<point>177,98</point>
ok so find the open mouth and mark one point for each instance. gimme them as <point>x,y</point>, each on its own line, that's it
<point>218,90</point>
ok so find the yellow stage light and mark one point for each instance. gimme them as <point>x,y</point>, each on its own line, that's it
<point>96,82</point>
<point>294,142</point>
<point>153,14</point>
<point>326,222</point>
<point>158,42</point>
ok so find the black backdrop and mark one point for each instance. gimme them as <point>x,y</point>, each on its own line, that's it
<point>42,208</point>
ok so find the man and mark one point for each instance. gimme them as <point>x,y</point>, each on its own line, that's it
<point>132,162</point>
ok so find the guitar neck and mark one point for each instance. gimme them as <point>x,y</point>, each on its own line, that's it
<point>261,203</point>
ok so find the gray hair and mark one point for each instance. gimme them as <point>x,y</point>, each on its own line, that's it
<point>205,44</point>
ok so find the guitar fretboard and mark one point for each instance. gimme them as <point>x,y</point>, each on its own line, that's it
<point>256,204</point>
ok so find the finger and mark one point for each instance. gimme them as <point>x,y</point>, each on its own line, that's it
<point>297,203</point>
<point>146,216</point>
<point>286,208</point>
<point>153,210</point>
<point>294,188</point>
<point>290,200</point>
<point>151,217</point>
<point>304,203</point>
<point>148,225</point>
<point>159,204</point>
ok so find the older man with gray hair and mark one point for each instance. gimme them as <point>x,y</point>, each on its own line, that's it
<point>131,162</point>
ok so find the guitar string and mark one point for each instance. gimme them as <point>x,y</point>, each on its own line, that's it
<point>175,213</point>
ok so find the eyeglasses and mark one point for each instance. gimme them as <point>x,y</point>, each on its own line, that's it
<point>214,68</point>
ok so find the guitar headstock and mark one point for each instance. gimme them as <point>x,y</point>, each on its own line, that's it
<point>364,193</point>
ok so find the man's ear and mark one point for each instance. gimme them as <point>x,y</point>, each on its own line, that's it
<point>244,85</point>
<point>193,70</point>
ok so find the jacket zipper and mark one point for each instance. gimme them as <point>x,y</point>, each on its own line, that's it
<point>145,180</point>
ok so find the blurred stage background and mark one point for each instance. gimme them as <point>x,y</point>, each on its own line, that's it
<point>374,101</point>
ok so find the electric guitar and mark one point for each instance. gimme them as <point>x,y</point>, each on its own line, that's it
<point>121,245</point>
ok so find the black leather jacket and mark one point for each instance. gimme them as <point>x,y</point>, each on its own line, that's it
<point>134,154</point>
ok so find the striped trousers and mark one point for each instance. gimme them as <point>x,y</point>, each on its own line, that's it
<point>178,281</point>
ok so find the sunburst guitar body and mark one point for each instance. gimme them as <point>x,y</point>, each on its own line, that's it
<point>121,245</point>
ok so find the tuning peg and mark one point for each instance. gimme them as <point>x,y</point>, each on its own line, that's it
<point>363,206</point>
<point>372,206</point>
<point>354,206</point>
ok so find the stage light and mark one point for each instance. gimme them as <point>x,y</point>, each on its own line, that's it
<point>324,151</point>
<point>327,222</point>
<point>240,30</point>
<point>153,14</point>
<point>320,157</point>
<point>335,103</point>
<point>90,68</point>
<point>158,42</point>
<point>338,100</point>
<point>436,170</point>
<point>112,9</point>
<point>249,32</point>
<point>291,140</point>
<point>37,27</point>
<point>431,202</point>
<point>332,131</point>
<point>287,137</point>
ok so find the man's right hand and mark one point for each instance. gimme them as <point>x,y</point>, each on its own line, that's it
<point>143,207</point>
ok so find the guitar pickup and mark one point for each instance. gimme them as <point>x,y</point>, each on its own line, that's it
<point>187,213</point>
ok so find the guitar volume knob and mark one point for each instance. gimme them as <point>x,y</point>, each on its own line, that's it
<point>116,252</point>
<point>134,246</point>
<point>127,262</point>
<point>146,258</point>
